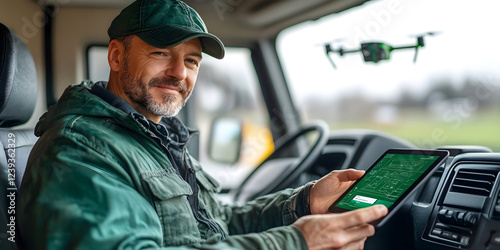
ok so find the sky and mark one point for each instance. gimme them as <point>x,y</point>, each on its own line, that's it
<point>468,43</point>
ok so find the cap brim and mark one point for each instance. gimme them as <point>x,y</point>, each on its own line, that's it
<point>169,36</point>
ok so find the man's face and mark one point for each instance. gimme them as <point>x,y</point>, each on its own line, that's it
<point>159,81</point>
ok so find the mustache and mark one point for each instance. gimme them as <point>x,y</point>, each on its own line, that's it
<point>168,82</point>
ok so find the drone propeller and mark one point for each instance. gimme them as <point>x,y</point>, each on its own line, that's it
<point>430,33</point>
<point>420,41</point>
<point>336,40</point>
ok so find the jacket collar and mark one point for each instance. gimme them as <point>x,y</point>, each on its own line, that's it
<point>93,99</point>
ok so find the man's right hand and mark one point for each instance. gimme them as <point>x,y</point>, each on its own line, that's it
<point>347,230</point>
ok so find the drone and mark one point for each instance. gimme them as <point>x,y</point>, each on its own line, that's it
<point>377,51</point>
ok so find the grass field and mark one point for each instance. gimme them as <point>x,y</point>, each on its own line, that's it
<point>483,129</point>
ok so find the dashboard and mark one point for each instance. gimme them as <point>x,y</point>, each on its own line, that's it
<point>465,212</point>
<point>457,208</point>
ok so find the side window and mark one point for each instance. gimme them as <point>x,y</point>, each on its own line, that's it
<point>97,63</point>
<point>229,88</point>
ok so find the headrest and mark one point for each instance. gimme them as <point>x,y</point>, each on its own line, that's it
<point>18,80</point>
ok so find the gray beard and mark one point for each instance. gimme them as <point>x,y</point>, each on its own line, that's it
<point>170,107</point>
<point>137,91</point>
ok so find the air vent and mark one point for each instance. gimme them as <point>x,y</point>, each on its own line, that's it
<point>474,181</point>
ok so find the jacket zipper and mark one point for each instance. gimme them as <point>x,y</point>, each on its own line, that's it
<point>192,181</point>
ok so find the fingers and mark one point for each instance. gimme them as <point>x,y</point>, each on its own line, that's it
<point>354,237</point>
<point>356,229</point>
<point>364,215</point>
<point>360,244</point>
<point>337,231</point>
<point>349,174</point>
<point>324,192</point>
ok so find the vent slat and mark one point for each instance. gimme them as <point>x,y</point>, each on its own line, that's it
<point>490,175</point>
<point>472,188</point>
<point>475,182</point>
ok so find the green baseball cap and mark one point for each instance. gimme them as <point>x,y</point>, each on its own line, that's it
<point>165,23</point>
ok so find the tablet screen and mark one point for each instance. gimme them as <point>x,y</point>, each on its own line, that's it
<point>390,179</point>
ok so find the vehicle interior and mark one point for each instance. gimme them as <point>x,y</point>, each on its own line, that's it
<point>305,88</point>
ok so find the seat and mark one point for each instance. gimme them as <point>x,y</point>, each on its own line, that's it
<point>18,93</point>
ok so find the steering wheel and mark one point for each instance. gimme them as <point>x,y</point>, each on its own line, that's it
<point>274,174</point>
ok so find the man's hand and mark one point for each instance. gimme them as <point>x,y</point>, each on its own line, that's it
<point>347,230</point>
<point>329,188</point>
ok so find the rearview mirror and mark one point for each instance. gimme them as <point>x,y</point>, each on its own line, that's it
<point>225,140</point>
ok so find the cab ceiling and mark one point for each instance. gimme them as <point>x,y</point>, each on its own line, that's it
<point>238,21</point>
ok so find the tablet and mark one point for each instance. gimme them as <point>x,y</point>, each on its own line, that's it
<point>390,180</point>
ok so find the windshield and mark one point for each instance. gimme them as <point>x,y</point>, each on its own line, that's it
<point>447,94</point>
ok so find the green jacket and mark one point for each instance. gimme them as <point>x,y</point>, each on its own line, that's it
<point>97,179</point>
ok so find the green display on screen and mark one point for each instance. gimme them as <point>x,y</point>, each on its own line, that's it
<point>387,181</point>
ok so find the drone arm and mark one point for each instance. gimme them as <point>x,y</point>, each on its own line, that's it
<point>329,49</point>
<point>405,47</point>
<point>416,53</point>
<point>420,43</point>
<point>331,61</point>
<point>343,52</point>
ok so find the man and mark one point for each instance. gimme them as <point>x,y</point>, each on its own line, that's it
<point>111,169</point>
